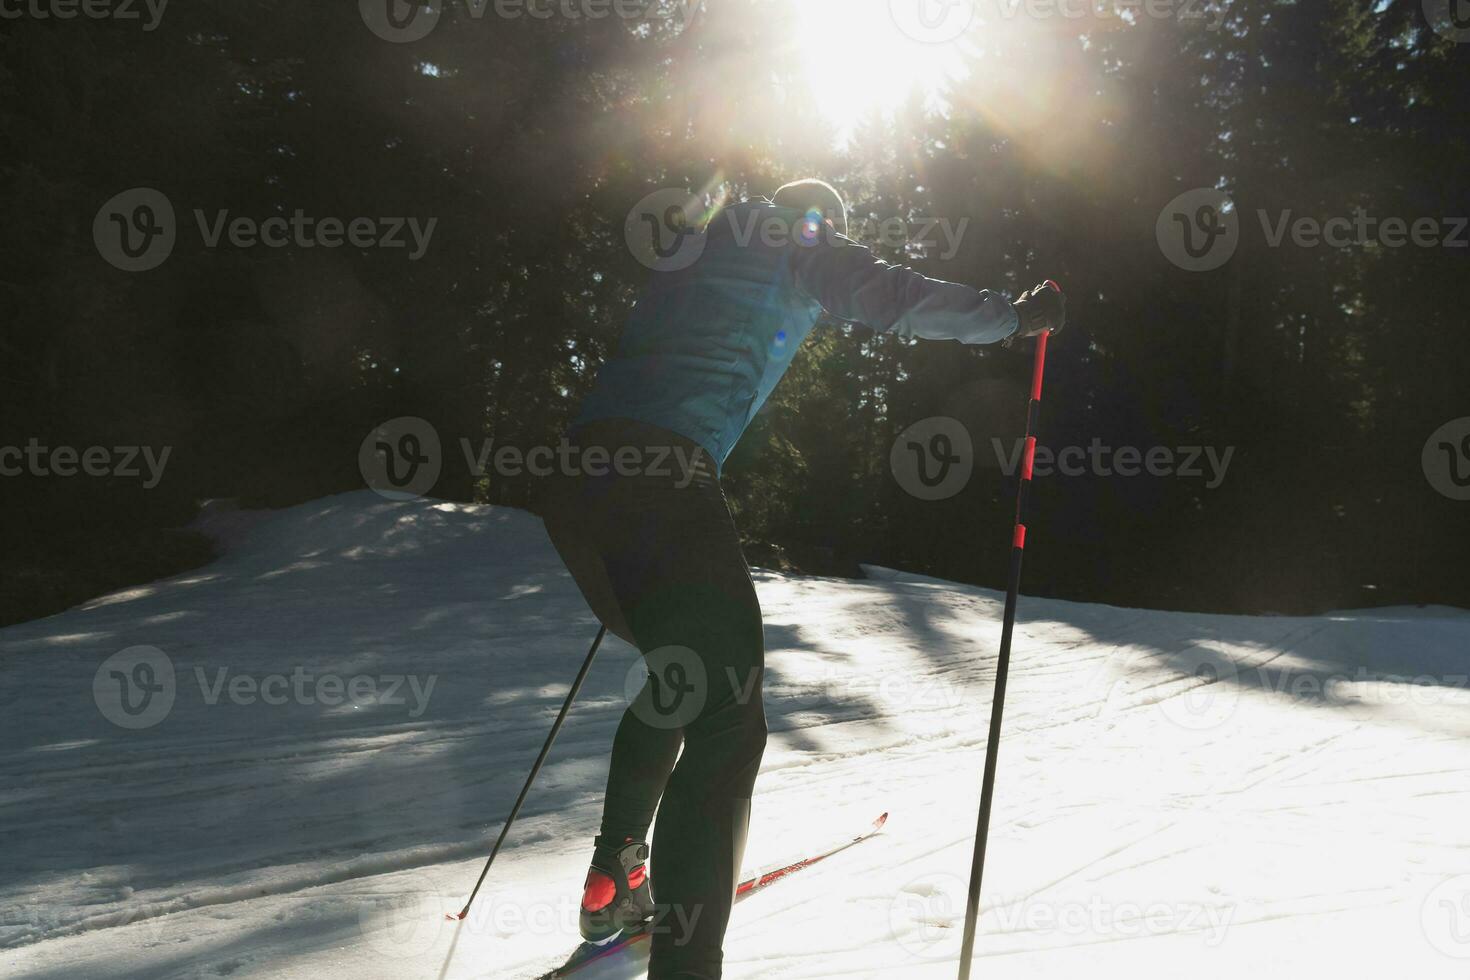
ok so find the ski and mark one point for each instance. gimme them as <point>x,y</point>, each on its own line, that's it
<point>587,954</point>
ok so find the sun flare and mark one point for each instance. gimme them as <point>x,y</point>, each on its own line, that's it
<point>859,63</point>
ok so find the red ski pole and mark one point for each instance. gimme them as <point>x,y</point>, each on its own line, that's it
<point>992,744</point>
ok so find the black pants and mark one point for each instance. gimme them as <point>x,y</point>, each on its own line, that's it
<point>656,555</point>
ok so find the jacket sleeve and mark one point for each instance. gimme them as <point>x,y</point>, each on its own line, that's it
<point>852,284</point>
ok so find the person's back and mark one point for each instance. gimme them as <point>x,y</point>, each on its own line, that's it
<point>705,345</point>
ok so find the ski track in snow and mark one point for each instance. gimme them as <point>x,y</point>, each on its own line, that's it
<point>1177,792</point>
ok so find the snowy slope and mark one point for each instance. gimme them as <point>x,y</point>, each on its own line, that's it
<point>1179,794</point>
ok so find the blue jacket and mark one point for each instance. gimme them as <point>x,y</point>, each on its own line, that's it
<point>705,345</point>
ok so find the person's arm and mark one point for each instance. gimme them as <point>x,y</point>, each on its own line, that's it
<point>852,284</point>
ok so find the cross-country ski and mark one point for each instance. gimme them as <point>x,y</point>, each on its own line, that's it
<point>630,948</point>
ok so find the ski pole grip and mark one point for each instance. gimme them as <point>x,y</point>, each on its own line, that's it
<point>1040,366</point>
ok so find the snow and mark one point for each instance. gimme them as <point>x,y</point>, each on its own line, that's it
<point>1178,793</point>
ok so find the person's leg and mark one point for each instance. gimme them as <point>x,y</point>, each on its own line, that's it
<point>672,560</point>
<point>643,756</point>
<point>699,841</point>
<point>572,529</point>
<point>683,584</point>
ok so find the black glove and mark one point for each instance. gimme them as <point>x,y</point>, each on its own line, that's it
<point>1042,308</point>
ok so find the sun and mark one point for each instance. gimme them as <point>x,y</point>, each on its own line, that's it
<point>860,63</point>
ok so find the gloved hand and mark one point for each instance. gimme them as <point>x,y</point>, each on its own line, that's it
<point>1042,308</point>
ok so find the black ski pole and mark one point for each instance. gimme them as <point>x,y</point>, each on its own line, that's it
<point>1002,668</point>
<point>535,768</point>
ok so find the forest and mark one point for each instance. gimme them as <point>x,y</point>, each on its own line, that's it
<point>454,184</point>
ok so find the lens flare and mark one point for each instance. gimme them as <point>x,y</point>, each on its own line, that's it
<point>865,64</point>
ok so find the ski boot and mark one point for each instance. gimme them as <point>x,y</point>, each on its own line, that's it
<point>617,896</point>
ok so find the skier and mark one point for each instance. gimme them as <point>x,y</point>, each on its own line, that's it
<point>656,555</point>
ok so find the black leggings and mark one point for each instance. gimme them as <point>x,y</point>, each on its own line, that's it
<point>657,557</point>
